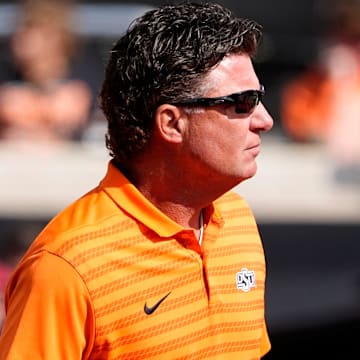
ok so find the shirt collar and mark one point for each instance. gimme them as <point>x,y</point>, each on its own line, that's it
<point>132,201</point>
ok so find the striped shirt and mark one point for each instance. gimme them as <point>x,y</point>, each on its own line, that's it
<point>112,277</point>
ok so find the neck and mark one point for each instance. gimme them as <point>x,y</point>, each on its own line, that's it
<point>180,208</point>
<point>169,191</point>
<point>171,187</point>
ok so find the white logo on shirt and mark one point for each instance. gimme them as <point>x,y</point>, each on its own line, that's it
<point>245,280</point>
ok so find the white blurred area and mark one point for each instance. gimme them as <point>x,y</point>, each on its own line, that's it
<point>294,182</point>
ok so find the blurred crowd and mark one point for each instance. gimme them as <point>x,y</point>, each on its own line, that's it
<point>43,100</point>
<point>321,104</point>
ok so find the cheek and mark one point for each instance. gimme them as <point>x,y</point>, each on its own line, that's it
<point>218,144</point>
<point>230,138</point>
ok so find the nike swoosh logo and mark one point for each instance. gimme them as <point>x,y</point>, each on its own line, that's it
<point>149,310</point>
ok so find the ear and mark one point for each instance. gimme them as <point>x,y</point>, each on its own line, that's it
<point>170,123</point>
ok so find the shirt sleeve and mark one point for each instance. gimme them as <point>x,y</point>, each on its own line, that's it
<point>49,312</point>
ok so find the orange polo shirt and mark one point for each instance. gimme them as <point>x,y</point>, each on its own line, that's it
<point>112,277</point>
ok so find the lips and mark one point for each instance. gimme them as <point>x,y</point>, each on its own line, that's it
<point>254,149</point>
<point>254,146</point>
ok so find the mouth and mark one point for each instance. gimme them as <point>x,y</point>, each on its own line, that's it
<point>254,149</point>
<point>254,146</point>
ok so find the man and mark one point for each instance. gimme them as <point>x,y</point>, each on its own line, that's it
<point>161,260</point>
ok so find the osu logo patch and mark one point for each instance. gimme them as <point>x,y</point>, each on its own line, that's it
<point>245,280</point>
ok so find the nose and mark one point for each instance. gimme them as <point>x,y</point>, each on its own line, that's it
<point>261,119</point>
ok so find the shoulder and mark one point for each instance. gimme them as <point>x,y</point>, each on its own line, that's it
<point>235,211</point>
<point>232,201</point>
<point>44,271</point>
<point>88,226</point>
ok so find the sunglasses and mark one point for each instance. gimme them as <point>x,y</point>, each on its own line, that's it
<point>245,101</point>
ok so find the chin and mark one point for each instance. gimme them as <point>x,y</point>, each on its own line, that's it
<point>243,177</point>
<point>248,172</point>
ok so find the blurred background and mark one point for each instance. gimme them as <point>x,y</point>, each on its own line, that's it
<point>305,196</point>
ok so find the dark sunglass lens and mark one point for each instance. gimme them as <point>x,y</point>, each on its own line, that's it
<point>246,103</point>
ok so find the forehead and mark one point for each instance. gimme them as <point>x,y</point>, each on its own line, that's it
<point>233,74</point>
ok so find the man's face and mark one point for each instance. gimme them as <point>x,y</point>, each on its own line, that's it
<point>223,143</point>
